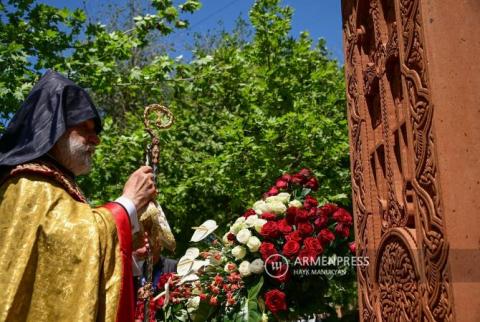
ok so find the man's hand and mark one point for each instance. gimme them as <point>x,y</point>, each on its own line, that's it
<point>140,187</point>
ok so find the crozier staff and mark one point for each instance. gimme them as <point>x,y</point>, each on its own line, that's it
<point>60,259</point>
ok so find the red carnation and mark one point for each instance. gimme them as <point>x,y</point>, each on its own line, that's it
<point>291,214</point>
<point>305,228</point>
<point>314,244</point>
<point>291,248</point>
<point>294,236</point>
<point>268,216</point>
<point>249,212</point>
<point>310,202</point>
<point>343,229</point>
<point>321,221</point>
<point>302,215</point>
<point>312,183</point>
<point>267,249</point>
<point>270,230</point>
<point>275,301</point>
<point>281,184</point>
<point>352,247</point>
<point>325,236</point>
<point>284,227</point>
<point>272,192</point>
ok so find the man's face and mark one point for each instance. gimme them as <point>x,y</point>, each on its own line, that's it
<point>75,148</point>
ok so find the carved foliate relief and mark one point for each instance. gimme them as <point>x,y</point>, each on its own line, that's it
<point>394,174</point>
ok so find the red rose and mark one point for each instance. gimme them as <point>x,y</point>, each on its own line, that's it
<point>249,212</point>
<point>281,274</point>
<point>275,301</point>
<point>270,230</point>
<point>313,213</point>
<point>305,173</point>
<point>284,227</point>
<point>313,244</point>
<point>341,215</point>
<point>325,236</point>
<point>281,184</point>
<point>352,247</point>
<point>267,249</point>
<point>291,214</point>
<point>159,302</point>
<point>164,280</point>
<point>291,248</point>
<point>302,215</point>
<point>343,229</point>
<point>321,221</point>
<point>305,228</point>
<point>312,183</point>
<point>203,297</point>
<point>294,236</point>
<point>307,257</point>
<point>272,192</point>
<point>268,216</point>
<point>329,208</point>
<point>298,179</point>
<point>310,202</point>
<point>286,177</point>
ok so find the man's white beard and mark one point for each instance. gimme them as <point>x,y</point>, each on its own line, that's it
<point>74,155</point>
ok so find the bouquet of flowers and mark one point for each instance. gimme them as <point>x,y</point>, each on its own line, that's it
<point>277,261</point>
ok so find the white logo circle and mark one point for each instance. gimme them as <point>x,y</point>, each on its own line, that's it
<point>275,268</point>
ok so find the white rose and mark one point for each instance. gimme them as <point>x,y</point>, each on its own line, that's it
<point>260,207</point>
<point>235,228</point>
<point>244,268</point>
<point>259,224</point>
<point>193,302</point>
<point>253,244</point>
<point>257,266</point>
<point>239,252</point>
<point>295,203</point>
<point>240,220</point>
<point>282,197</point>
<point>243,235</point>
<point>277,207</point>
<point>250,221</point>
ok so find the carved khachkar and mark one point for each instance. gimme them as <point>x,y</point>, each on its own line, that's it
<point>399,221</point>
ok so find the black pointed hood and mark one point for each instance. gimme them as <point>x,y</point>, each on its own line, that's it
<point>54,104</point>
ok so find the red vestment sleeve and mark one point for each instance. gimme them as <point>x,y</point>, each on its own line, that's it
<point>126,308</point>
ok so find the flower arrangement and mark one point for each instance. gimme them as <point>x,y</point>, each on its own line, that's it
<point>272,264</point>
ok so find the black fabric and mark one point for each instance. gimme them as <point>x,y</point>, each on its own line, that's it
<point>54,104</point>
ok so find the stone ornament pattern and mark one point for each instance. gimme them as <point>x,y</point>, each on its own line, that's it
<point>395,186</point>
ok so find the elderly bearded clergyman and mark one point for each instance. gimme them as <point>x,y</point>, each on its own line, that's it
<point>60,259</point>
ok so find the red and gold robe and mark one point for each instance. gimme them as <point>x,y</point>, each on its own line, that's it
<point>60,259</point>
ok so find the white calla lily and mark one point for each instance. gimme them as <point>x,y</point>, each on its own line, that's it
<point>204,230</point>
<point>192,252</point>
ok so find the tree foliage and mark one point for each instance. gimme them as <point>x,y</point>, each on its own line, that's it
<point>246,110</point>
